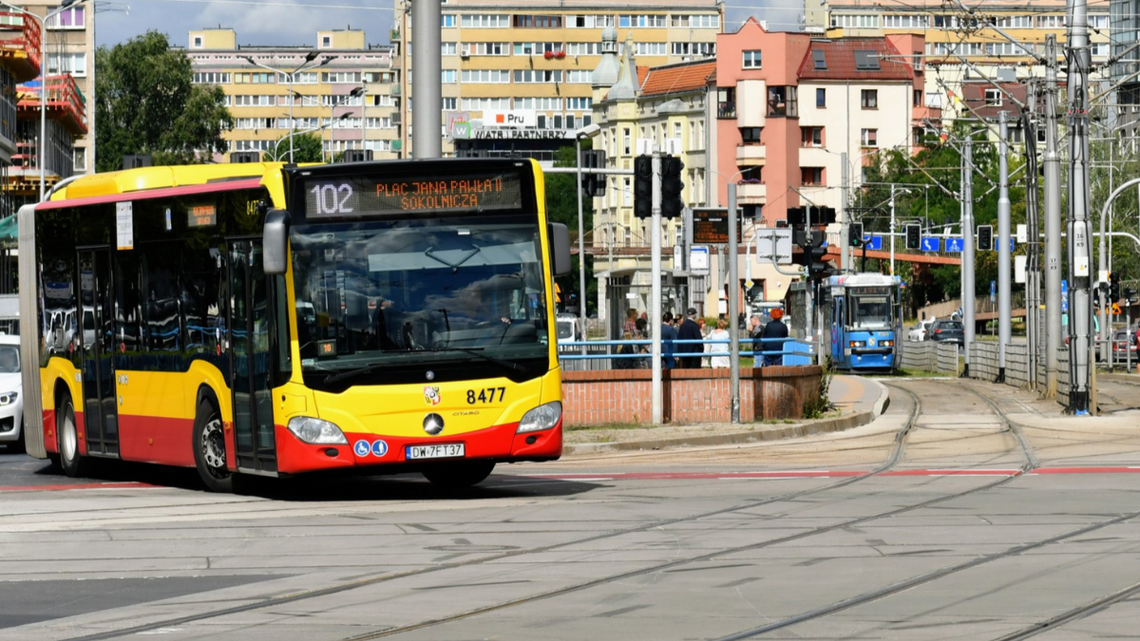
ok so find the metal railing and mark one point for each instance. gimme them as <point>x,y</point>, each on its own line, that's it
<point>602,354</point>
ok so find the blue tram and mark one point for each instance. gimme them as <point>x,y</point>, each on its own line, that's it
<point>862,312</point>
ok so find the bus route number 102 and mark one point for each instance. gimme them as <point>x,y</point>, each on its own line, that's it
<point>332,200</point>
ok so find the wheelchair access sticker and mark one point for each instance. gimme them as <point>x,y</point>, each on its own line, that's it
<point>375,448</point>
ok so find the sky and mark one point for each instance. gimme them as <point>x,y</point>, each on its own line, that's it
<point>296,22</point>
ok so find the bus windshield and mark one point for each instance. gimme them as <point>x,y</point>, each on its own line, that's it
<point>420,291</point>
<point>870,312</point>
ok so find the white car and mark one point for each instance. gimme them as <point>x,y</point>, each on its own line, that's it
<point>11,394</point>
<point>918,332</point>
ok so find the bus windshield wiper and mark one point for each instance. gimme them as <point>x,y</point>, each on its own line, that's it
<point>353,373</point>
<point>478,351</point>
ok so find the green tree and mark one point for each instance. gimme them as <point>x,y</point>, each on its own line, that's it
<point>147,103</point>
<point>307,147</point>
<point>562,207</point>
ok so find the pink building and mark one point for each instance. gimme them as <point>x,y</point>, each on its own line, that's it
<point>788,105</point>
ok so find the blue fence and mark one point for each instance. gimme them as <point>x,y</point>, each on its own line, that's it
<point>600,355</point>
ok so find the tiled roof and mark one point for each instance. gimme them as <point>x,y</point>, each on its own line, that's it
<point>839,57</point>
<point>686,76</point>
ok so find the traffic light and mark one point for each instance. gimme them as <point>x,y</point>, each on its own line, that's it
<point>643,187</point>
<point>855,235</point>
<point>913,237</point>
<point>817,254</point>
<point>671,186</point>
<point>985,237</point>
<point>594,185</point>
<point>1113,288</point>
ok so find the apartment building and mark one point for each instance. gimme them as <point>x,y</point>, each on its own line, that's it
<point>1005,41</point>
<point>342,90</point>
<point>536,62</point>
<point>1124,75</point>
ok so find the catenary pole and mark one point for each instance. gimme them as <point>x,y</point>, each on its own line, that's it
<point>427,119</point>
<point>1052,223</point>
<point>1082,386</point>
<point>1004,307</point>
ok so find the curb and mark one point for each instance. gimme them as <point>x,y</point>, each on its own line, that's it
<point>821,426</point>
<point>884,401</point>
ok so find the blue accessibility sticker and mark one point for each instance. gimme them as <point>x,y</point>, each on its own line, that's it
<point>379,448</point>
<point>361,448</point>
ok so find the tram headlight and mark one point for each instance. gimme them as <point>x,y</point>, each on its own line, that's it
<point>316,432</point>
<point>858,344</point>
<point>543,417</point>
<point>887,343</point>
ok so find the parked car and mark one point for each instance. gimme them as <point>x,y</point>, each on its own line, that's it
<point>1123,345</point>
<point>947,331</point>
<point>918,332</point>
<point>11,394</point>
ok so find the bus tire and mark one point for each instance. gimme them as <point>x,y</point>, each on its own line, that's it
<point>67,432</point>
<point>210,449</point>
<point>459,474</point>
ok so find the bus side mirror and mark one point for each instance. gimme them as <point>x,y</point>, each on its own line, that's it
<point>275,244</point>
<point>559,248</point>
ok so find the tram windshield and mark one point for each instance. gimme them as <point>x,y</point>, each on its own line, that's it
<point>870,312</point>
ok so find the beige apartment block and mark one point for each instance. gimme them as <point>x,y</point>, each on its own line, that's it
<point>535,61</point>
<point>341,89</point>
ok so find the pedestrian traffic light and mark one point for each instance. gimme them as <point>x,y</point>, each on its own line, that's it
<point>643,187</point>
<point>985,237</point>
<point>855,235</point>
<point>594,185</point>
<point>671,186</point>
<point>913,237</point>
<point>816,253</point>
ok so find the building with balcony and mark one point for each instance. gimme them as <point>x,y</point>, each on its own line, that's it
<point>536,63</point>
<point>342,90</point>
<point>65,124</point>
<point>1124,74</point>
<point>19,62</point>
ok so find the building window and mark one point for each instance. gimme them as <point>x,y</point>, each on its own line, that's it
<point>821,98</point>
<point>72,63</point>
<point>869,98</point>
<point>447,21</point>
<point>450,104</point>
<point>869,138</point>
<point>197,42</point>
<point>538,22</point>
<point>80,159</point>
<point>326,42</point>
<point>811,176</point>
<point>811,136</point>
<point>70,18</point>
<point>917,98</point>
<point>751,135</point>
<point>752,59</point>
<point>782,102</point>
<point>726,102</point>
<point>626,141</point>
<point>993,97</point>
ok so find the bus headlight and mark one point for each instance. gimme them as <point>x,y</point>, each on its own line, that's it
<point>8,398</point>
<point>315,431</point>
<point>542,417</point>
<point>858,344</point>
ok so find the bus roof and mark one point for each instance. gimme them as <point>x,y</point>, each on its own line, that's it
<point>869,279</point>
<point>142,179</point>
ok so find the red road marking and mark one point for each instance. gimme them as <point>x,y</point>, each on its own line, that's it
<point>76,486</point>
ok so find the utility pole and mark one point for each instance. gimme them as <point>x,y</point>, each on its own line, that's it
<point>1003,244</point>
<point>845,234</point>
<point>428,119</point>
<point>1052,222</point>
<point>1082,392</point>
<point>656,393</point>
<point>892,229</point>
<point>734,306</point>
<point>968,248</point>
<point>1033,243</point>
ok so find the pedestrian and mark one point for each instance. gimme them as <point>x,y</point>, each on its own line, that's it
<point>772,338</point>
<point>625,350</point>
<point>689,331</point>
<point>630,323</point>
<point>754,327</point>
<point>642,333</point>
<point>719,351</point>
<point>702,324</point>
<point>668,335</point>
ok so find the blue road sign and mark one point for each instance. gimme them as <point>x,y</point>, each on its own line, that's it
<point>993,291</point>
<point>931,243</point>
<point>874,243</point>
<point>1012,244</point>
<point>955,244</point>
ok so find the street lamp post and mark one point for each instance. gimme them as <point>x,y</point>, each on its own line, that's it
<point>355,93</point>
<point>290,135</point>
<point>43,78</point>
<point>309,58</point>
<point>589,131</point>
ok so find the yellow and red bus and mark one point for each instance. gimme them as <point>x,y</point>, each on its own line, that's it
<point>260,319</point>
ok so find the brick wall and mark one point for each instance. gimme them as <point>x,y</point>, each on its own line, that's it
<point>689,395</point>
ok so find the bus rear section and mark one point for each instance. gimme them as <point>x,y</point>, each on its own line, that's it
<point>865,322</point>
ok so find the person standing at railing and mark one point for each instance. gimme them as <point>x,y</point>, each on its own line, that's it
<point>668,335</point>
<point>719,351</point>
<point>689,331</point>
<point>772,338</point>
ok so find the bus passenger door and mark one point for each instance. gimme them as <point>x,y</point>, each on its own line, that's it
<point>100,415</point>
<point>255,445</point>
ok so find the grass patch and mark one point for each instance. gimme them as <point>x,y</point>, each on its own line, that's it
<point>607,426</point>
<point>915,373</point>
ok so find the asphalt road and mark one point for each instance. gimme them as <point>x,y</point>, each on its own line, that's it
<point>985,515</point>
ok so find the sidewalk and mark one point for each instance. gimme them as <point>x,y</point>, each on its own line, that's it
<point>858,401</point>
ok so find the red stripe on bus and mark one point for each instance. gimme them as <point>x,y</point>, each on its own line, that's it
<point>229,185</point>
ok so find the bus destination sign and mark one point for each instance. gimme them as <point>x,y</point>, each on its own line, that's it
<point>361,196</point>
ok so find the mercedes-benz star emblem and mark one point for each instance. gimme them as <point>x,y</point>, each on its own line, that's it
<point>433,424</point>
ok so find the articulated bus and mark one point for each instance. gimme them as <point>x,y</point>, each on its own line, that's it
<point>260,319</point>
<point>862,312</point>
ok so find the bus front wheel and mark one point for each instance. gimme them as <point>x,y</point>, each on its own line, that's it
<point>459,473</point>
<point>69,458</point>
<point>210,449</point>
